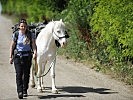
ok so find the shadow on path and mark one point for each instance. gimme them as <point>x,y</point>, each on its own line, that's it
<point>79,89</point>
<point>76,91</point>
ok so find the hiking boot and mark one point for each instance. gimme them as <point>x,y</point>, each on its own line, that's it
<point>20,95</point>
<point>25,93</point>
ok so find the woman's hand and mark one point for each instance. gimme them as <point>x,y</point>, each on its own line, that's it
<point>11,60</point>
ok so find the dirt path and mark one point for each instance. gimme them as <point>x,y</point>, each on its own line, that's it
<point>74,81</point>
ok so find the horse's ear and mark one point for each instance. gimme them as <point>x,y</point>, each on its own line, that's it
<point>60,20</point>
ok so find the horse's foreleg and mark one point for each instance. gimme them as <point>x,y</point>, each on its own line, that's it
<point>39,89</point>
<point>54,90</point>
<point>42,84</point>
<point>43,68</point>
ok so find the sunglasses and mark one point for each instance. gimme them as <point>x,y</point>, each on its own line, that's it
<point>22,21</point>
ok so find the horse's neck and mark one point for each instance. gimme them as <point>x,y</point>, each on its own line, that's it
<point>46,37</point>
<point>51,43</point>
<point>49,31</point>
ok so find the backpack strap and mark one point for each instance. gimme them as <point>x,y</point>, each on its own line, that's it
<point>15,40</point>
<point>16,36</point>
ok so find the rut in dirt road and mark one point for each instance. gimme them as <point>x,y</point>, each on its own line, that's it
<point>73,80</point>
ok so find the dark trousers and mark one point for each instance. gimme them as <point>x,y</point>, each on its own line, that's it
<point>22,67</point>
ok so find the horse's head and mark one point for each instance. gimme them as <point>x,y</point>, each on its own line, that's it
<point>60,33</point>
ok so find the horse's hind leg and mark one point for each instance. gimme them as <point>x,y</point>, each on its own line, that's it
<point>54,90</point>
<point>32,73</point>
<point>32,80</point>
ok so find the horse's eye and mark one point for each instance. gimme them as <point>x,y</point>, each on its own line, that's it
<point>58,31</point>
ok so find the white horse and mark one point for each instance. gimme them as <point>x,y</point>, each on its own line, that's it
<point>54,32</point>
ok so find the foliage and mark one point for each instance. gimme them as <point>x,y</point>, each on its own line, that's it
<point>76,17</point>
<point>34,10</point>
<point>113,22</point>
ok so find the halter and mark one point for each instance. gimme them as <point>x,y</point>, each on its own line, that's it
<point>65,36</point>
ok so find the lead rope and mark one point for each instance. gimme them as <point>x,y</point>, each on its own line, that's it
<point>49,67</point>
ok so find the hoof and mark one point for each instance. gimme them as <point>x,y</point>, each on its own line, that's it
<point>43,88</point>
<point>55,91</point>
<point>39,90</point>
<point>32,86</point>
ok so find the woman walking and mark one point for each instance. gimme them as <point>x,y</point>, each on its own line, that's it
<point>22,45</point>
